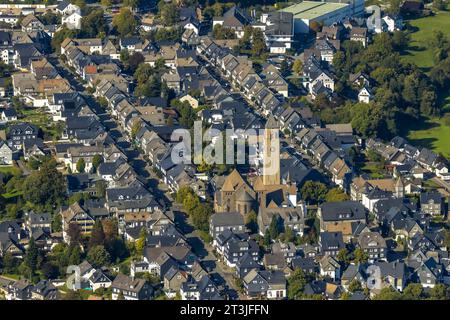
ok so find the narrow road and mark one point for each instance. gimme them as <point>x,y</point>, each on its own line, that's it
<point>221,275</point>
<point>119,135</point>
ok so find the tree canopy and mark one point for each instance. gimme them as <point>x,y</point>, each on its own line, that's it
<point>124,22</point>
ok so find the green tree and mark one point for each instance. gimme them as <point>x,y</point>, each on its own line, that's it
<point>49,18</point>
<point>125,23</point>
<point>221,33</point>
<point>187,113</point>
<point>428,106</point>
<point>97,235</point>
<point>354,286</point>
<point>440,74</point>
<point>345,296</point>
<point>251,222</point>
<point>102,102</point>
<point>360,256</point>
<point>135,129</point>
<point>297,67</point>
<point>49,270</point>
<point>274,227</point>
<point>336,194</point>
<point>447,239</point>
<point>400,40</point>
<point>74,232</point>
<point>56,223</point>
<point>366,119</point>
<point>258,43</point>
<point>413,291</point>
<point>313,192</point>
<point>96,161</point>
<point>134,61</point>
<point>74,255</point>
<point>284,68</point>
<point>169,13</point>
<point>9,263</point>
<point>80,3</point>
<point>31,257</point>
<point>94,23</point>
<point>124,56</point>
<point>388,293</point>
<point>266,240</point>
<point>45,188</point>
<point>140,243</point>
<point>289,235</point>
<point>200,217</point>
<point>246,41</point>
<point>439,292</point>
<point>100,188</point>
<point>98,256</point>
<point>440,45</point>
<point>343,256</point>
<point>394,6</point>
<point>81,165</point>
<point>296,284</point>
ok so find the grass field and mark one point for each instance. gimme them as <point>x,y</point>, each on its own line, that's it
<point>418,51</point>
<point>431,133</point>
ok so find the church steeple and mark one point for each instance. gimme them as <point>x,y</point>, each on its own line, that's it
<point>399,188</point>
<point>271,153</point>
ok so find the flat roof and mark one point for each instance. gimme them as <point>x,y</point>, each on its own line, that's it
<point>313,9</point>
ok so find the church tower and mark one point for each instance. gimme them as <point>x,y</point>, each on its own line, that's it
<point>271,153</point>
<point>399,188</point>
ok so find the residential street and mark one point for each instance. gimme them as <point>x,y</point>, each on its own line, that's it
<point>221,274</point>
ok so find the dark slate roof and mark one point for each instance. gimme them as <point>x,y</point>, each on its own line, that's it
<point>62,5</point>
<point>304,263</point>
<point>5,37</point>
<point>395,269</point>
<point>384,205</point>
<point>434,196</point>
<point>227,219</point>
<point>129,41</point>
<point>63,147</point>
<point>331,241</point>
<point>344,210</point>
<point>77,181</point>
<point>10,112</point>
<point>39,218</point>
<point>154,101</point>
<point>273,277</point>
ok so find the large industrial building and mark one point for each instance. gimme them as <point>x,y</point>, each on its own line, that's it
<point>326,12</point>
